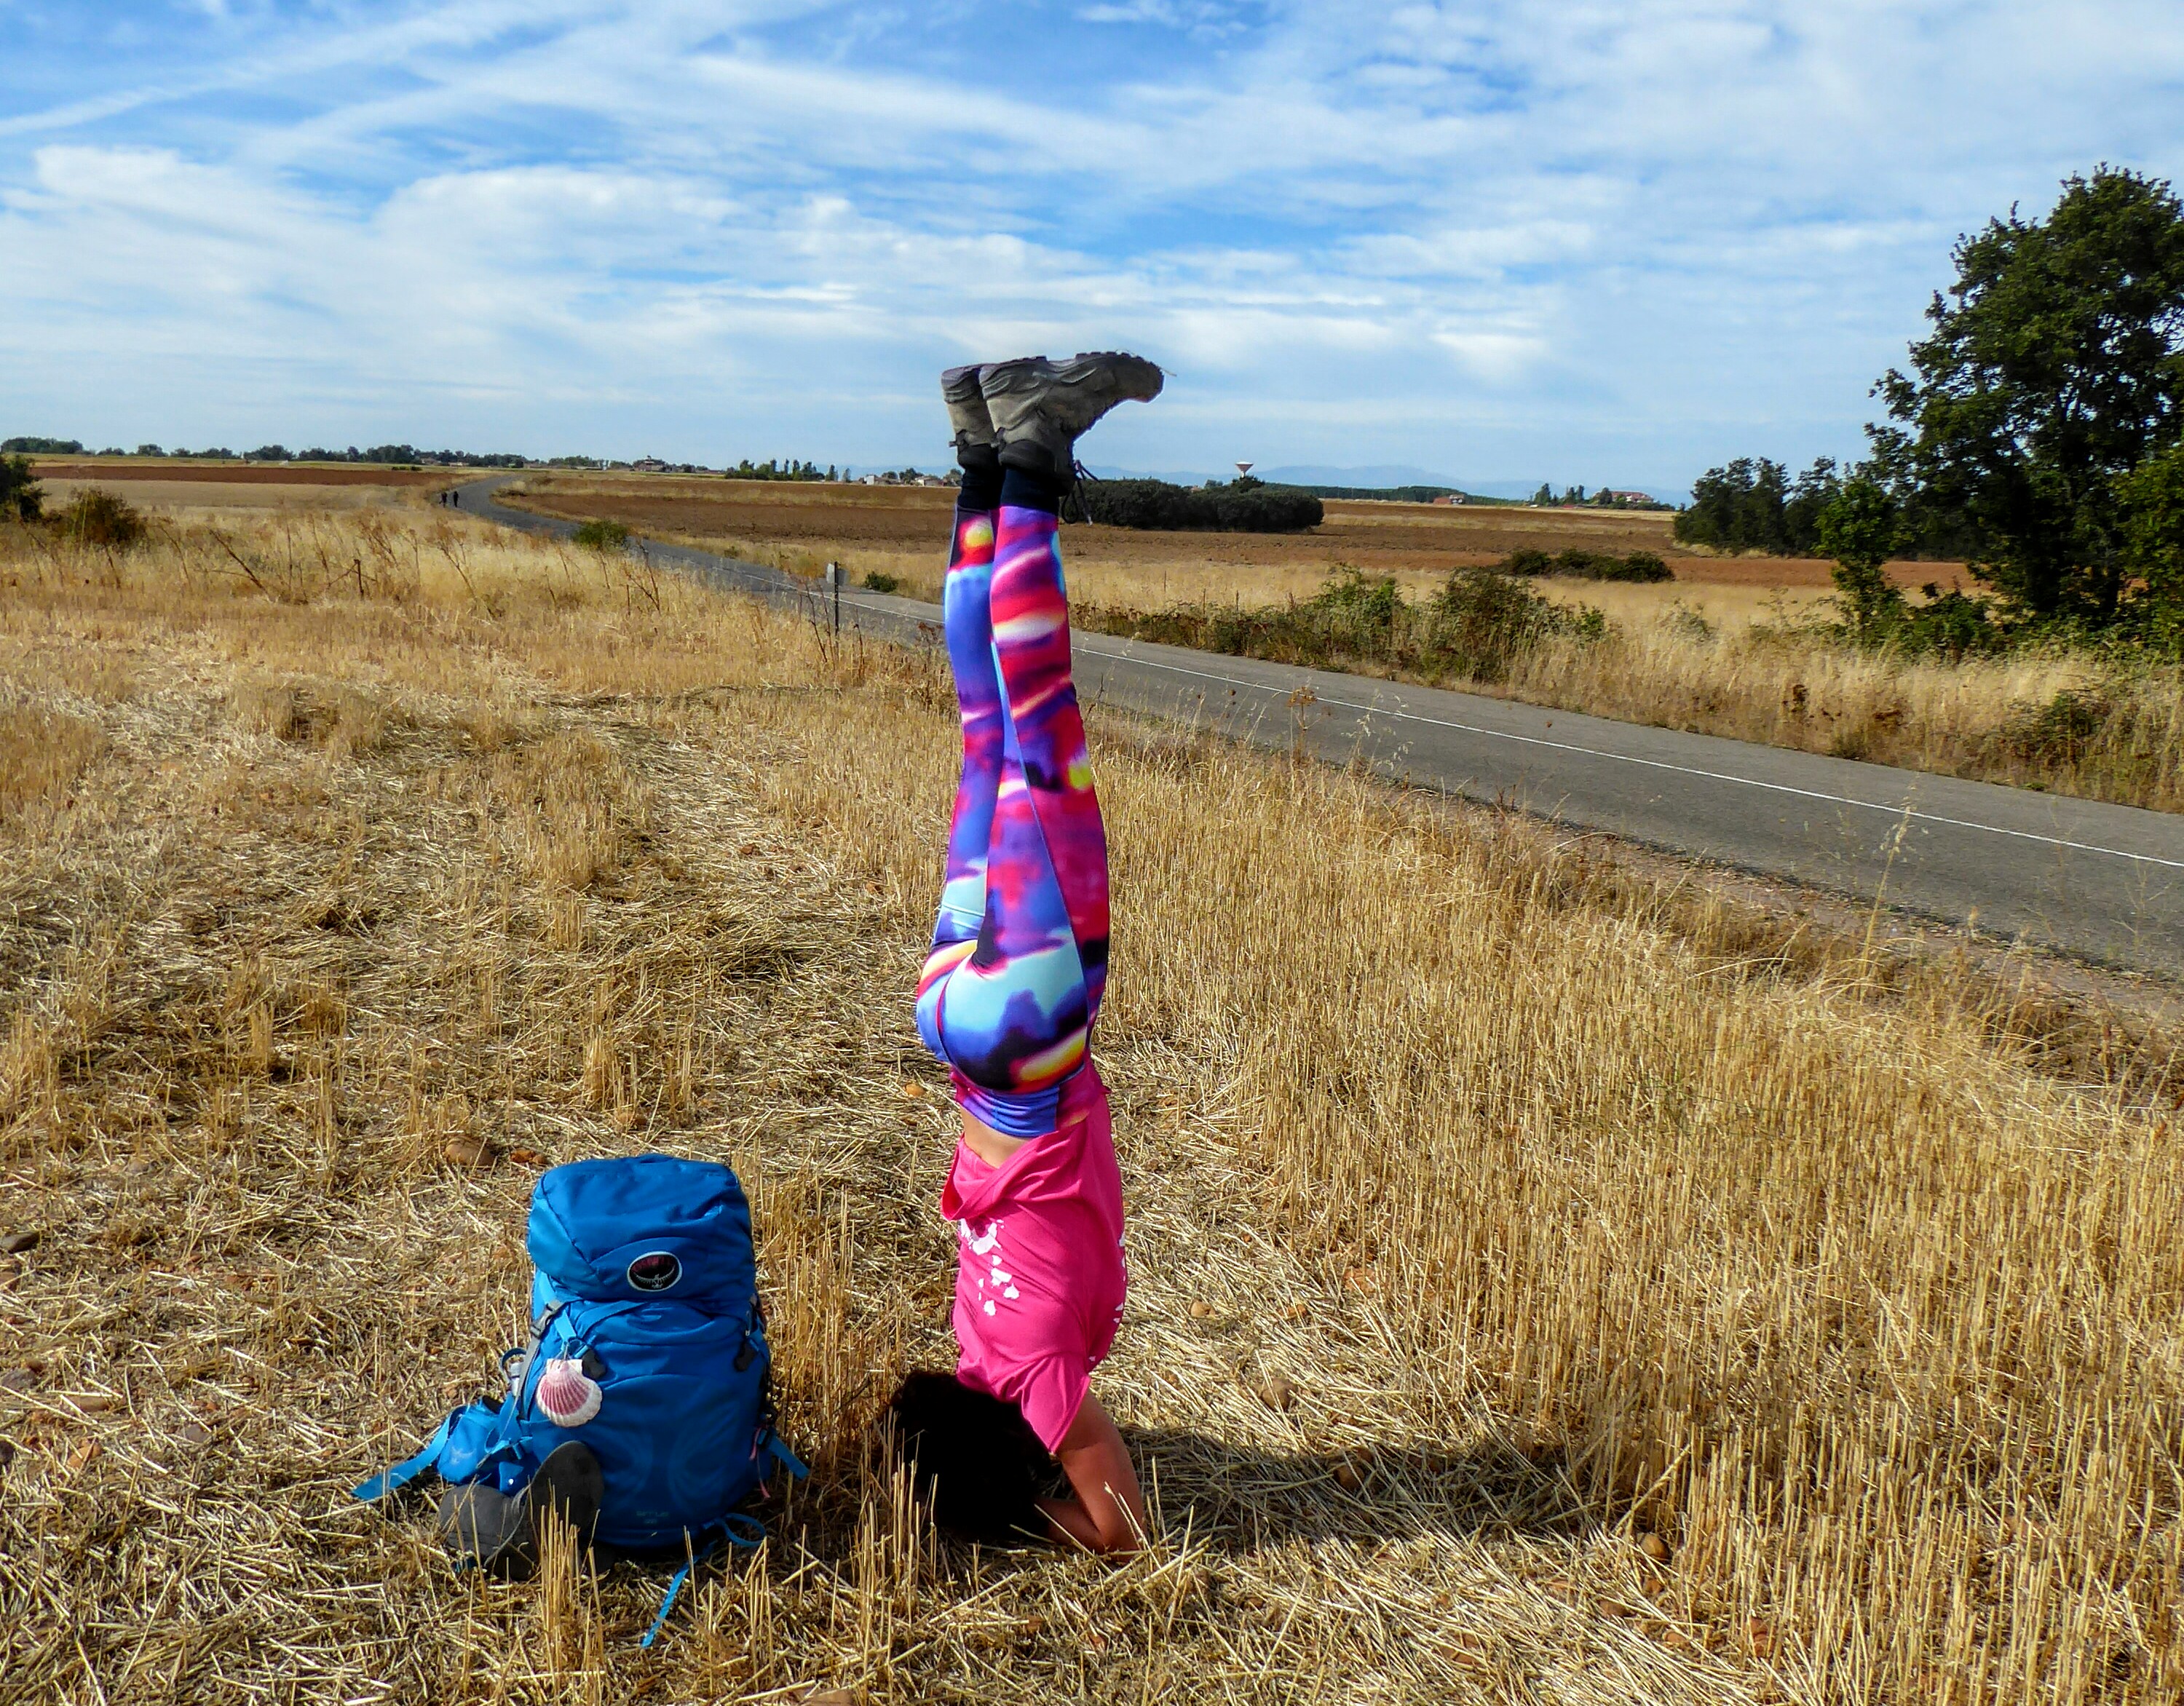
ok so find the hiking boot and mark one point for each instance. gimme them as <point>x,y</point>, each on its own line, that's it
<point>499,1532</point>
<point>1039,407</point>
<point>966,411</point>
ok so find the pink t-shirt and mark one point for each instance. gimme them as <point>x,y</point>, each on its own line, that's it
<point>1039,1279</point>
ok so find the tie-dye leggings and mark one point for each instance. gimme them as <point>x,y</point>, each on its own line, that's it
<point>1011,987</point>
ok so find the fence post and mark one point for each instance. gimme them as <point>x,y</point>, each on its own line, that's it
<point>834,583</point>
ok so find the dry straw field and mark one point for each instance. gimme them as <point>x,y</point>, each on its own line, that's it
<point>1546,1286</point>
<point>1726,648</point>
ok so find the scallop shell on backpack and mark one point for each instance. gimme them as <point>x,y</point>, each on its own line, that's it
<point>570,1397</point>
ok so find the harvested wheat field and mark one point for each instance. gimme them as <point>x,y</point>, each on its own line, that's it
<point>1542,1289</point>
<point>136,472</point>
<point>198,491</point>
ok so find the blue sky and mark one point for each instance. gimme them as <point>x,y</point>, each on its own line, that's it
<point>1575,241</point>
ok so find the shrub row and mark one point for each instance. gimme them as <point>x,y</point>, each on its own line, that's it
<point>1589,565</point>
<point>1243,506</point>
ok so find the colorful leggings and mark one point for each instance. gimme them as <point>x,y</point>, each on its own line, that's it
<point>1011,986</point>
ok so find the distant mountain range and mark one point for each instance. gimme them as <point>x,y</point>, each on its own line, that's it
<point>1365,479</point>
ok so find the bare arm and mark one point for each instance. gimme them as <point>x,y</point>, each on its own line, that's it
<point>1108,1514</point>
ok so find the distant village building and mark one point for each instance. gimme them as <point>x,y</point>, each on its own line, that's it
<point>1629,498</point>
<point>1451,497</point>
<point>649,465</point>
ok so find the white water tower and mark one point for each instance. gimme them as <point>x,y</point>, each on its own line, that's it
<point>1245,468</point>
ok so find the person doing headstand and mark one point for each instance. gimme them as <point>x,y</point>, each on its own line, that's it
<point>1010,992</point>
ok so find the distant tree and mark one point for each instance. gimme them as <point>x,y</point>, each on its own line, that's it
<point>41,447</point>
<point>1737,507</point>
<point>21,498</point>
<point>2055,368</point>
<point>2152,499</point>
<point>1544,495</point>
<point>269,452</point>
<point>149,450</point>
<point>1751,504</point>
<point>1859,528</point>
<point>1862,526</point>
<point>1806,501</point>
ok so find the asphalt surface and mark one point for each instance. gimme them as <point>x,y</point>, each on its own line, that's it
<point>2104,883</point>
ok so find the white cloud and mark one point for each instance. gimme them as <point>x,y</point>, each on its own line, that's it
<point>1499,239</point>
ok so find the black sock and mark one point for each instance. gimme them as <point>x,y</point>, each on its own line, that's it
<point>981,489</point>
<point>1022,489</point>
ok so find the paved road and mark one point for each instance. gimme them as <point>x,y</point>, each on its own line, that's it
<point>2101,881</point>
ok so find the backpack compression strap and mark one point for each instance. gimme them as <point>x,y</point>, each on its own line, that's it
<point>726,1531</point>
<point>472,1432</point>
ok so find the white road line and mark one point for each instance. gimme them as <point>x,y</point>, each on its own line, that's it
<point>1651,764</point>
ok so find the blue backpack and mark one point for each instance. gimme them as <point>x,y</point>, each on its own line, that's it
<point>644,1282</point>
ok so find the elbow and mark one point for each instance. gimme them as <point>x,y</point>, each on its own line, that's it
<point>1119,1539</point>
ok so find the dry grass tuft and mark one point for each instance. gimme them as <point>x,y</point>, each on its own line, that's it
<point>1761,679</point>
<point>44,750</point>
<point>1544,1287</point>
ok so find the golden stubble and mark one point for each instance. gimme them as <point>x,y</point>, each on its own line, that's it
<point>1542,1288</point>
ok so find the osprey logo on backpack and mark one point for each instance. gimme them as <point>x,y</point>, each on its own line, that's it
<point>648,1339</point>
<point>654,1271</point>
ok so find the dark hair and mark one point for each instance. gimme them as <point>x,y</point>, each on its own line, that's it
<point>975,1457</point>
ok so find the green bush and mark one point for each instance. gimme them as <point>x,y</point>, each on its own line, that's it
<point>95,516</point>
<point>601,535</point>
<point>877,582</point>
<point>1589,565</point>
<point>20,495</point>
<point>1479,623</point>
<point>1473,629</point>
<point>1243,506</point>
<point>2060,731</point>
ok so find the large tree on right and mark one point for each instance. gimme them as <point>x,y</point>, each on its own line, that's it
<point>2055,367</point>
